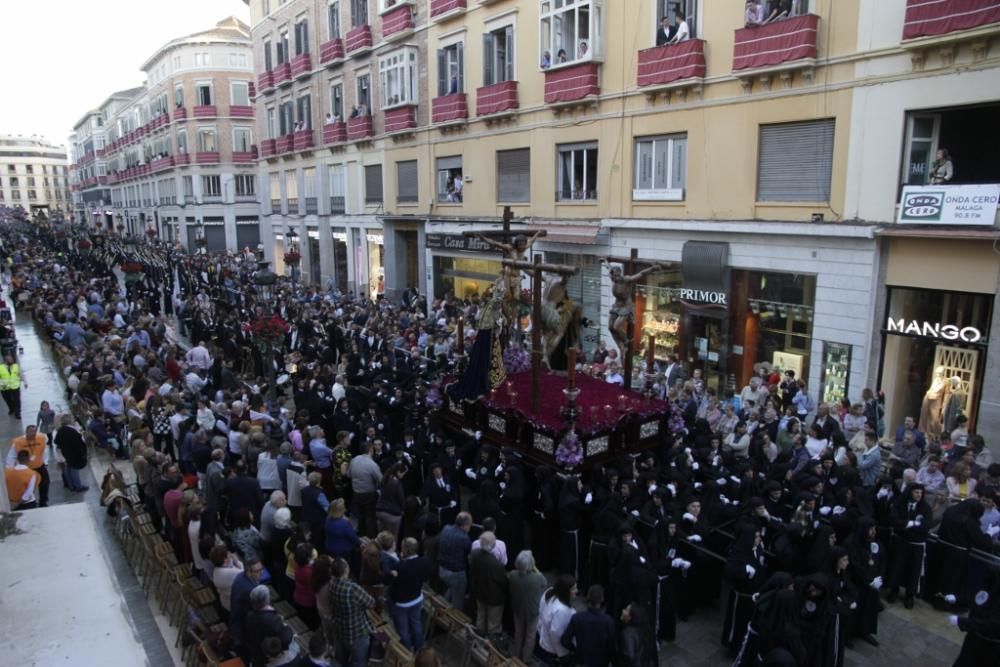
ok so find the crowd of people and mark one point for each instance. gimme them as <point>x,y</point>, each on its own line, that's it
<point>315,460</point>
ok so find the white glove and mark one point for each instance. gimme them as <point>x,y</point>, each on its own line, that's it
<point>634,512</point>
<point>470,473</point>
<point>919,519</point>
<point>673,488</point>
<point>716,460</point>
<point>677,562</point>
<point>589,498</point>
<point>736,503</point>
<point>687,516</point>
<point>721,481</point>
<point>766,514</point>
<point>498,470</point>
<point>882,493</point>
<point>953,620</point>
<point>736,480</point>
<point>724,499</point>
<point>687,450</point>
<point>854,605</point>
<point>751,571</point>
<point>695,538</point>
<point>824,511</point>
<point>838,510</point>
<point>910,524</point>
<point>695,466</point>
<point>876,583</point>
<point>686,564</point>
<point>697,485</point>
<point>502,485</point>
<point>993,530</point>
<point>815,525</point>
<point>452,504</point>
<point>950,599</point>
<point>642,559</point>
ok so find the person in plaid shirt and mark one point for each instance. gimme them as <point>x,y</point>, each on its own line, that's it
<point>350,605</point>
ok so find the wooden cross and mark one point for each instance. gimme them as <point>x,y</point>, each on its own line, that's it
<point>536,269</point>
<point>631,264</point>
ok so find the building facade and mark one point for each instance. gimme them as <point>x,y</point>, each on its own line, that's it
<point>762,162</point>
<point>177,156</point>
<point>34,174</point>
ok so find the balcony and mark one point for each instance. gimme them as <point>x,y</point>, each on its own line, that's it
<point>180,113</point>
<point>400,119</point>
<point>102,180</point>
<point>182,159</point>
<point>944,25</point>
<point>301,65</point>
<point>160,163</point>
<point>359,40</point>
<point>360,128</point>
<point>397,21</point>
<point>101,152</point>
<point>239,111</point>
<point>205,111</point>
<point>780,46</point>
<point>672,65</point>
<point>334,133</point>
<point>206,157</point>
<point>449,109</point>
<point>282,74</point>
<point>265,81</point>
<point>443,10</point>
<point>331,52</point>
<point>245,157</point>
<point>303,139</point>
<point>251,89</point>
<point>496,99</point>
<point>284,144</point>
<point>572,84</point>
<point>268,148</point>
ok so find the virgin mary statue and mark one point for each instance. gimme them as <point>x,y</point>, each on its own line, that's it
<point>485,371</point>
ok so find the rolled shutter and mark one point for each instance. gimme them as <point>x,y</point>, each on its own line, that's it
<point>373,184</point>
<point>406,182</point>
<point>488,59</point>
<point>514,175</point>
<point>461,67</point>
<point>509,54</point>
<point>795,161</point>
<point>442,73</point>
<point>247,235</point>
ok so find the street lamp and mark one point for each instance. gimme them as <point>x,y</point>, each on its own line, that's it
<point>293,255</point>
<point>265,328</point>
<point>199,236</point>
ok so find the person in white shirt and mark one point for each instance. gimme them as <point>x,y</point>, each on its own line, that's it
<point>614,375</point>
<point>195,382</point>
<point>338,391</point>
<point>683,32</point>
<point>554,612</point>
<point>198,357</point>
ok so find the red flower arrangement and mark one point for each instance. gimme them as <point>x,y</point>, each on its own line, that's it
<point>84,244</point>
<point>150,232</point>
<point>267,331</point>
<point>292,256</point>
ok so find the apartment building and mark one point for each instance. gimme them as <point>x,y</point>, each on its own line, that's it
<point>179,152</point>
<point>34,174</point>
<point>762,160</point>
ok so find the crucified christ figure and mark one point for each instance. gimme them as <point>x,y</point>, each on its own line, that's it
<point>623,310</point>
<point>515,251</point>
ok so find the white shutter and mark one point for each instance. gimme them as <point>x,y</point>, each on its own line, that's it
<point>514,175</point>
<point>795,161</point>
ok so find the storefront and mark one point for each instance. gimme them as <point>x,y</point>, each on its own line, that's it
<point>340,258</point>
<point>936,329</point>
<point>726,322</point>
<point>463,266</point>
<point>375,251</point>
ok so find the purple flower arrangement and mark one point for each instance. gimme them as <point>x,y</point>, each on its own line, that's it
<point>569,453</point>
<point>516,360</point>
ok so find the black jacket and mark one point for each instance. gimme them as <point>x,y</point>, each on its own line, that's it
<point>73,448</point>
<point>260,625</point>
<point>411,575</point>
<point>590,635</point>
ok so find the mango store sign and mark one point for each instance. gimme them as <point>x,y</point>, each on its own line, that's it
<point>949,205</point>
<point>934,330</point>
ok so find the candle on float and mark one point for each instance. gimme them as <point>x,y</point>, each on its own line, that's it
<point>461,336</point>
<point>650,353</point>
<point>571,367</point>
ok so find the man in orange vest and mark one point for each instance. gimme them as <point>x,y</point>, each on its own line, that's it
<point>21,483</point>
<point>38,459</point>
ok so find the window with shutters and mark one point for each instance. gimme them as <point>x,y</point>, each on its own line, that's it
<point>337,101</point>
<point>498,56</point>
<point>240,93</point>
<point>398,76</point>
<point>364,83</point>
<point>286,120</point>
<point>301,36</point>
<point>303,106</point>
<point>373,184</point>
<point>270,120</point>
<point>309,189</point>
<point>449,180</point>
<point>660,167</point>
<point>338,189</point>
<point>451,70</point>
<point>204,94</point>
<point>514,176</point>
<point>268,65</point>
<point>182,142</point>
<point>569,32</point>
<point>211,186</point>
<point>292,190</point>
<point>795,161</point>
<point>281,48</point>
<point>206,140</point>
<point>242,139</point>
<point>274,179</point>
<point>406,182</point>
<point>333,19</point>
<point>577,172</point>
<point>359,13</point>
<point>670,8</point>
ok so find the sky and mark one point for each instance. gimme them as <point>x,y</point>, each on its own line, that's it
<point>64,57</point>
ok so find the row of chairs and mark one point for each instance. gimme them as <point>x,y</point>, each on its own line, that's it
<point>464,645</point>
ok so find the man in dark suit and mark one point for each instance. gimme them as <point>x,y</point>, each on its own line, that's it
<point>239,601</point>
<point>590,634</point>
<point>674,371</point>
<point>665,32</point>
<point>263,623</point>
<point>242,491</point>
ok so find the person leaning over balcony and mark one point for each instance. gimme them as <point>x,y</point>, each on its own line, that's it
<point>753,14</point>
<point>942,170</point>
<point>683,33</point>
<point>665,32</point>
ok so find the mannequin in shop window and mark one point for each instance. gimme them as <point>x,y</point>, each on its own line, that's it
<point>953,404</point>
<point>932,406</point>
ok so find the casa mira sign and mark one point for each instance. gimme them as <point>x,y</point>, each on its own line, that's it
<point>934,330</point>
<point>949,205</point>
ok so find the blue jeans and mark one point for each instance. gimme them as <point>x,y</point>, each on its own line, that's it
<point>456,584</point>
<point>354,654</point>
<point>73,477</point>
<point>408,625</point>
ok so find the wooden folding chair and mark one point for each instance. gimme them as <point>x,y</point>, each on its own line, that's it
<point>397,655</point>
<point>495,657</point>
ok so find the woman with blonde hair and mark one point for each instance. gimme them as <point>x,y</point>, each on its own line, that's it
<point>960,485</point>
